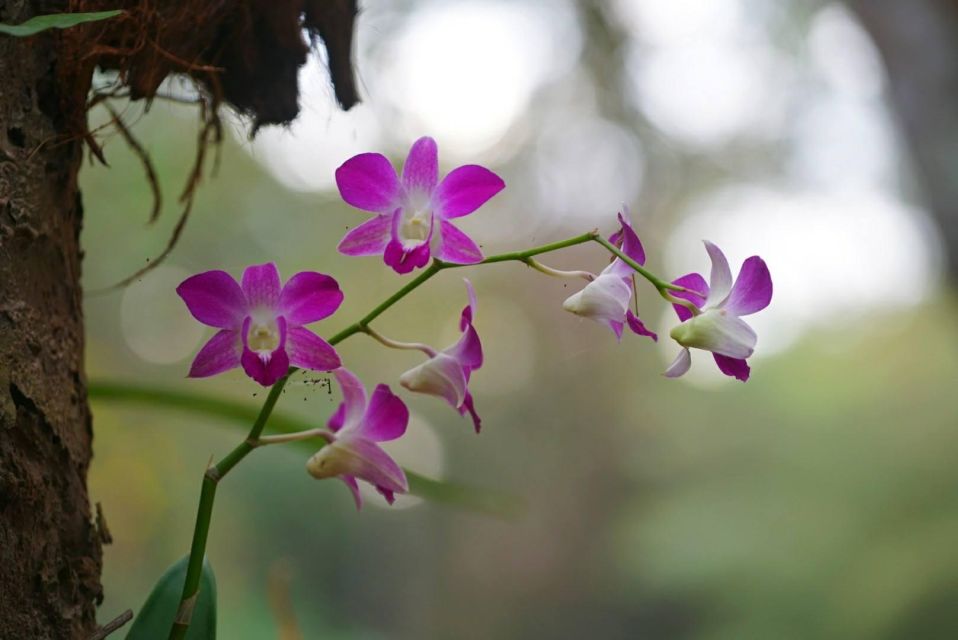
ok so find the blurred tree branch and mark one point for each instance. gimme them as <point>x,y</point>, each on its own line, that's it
<point>918,41</point>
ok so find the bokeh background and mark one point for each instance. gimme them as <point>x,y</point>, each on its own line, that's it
<point>817,501</point>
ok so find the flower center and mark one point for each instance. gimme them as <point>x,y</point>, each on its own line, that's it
<point>263,337</point>
<point>414,228</point>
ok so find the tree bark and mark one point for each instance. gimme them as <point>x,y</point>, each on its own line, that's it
<point>918,41</point>
<point>49,547</point>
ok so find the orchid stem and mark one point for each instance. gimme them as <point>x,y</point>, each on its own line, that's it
<point>558,273</point>
<point>395,344</point>
<point>215,473</point>
<point>294,437</point>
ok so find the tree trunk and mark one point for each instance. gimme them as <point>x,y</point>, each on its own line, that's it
<point>918,41</point>
<point>49,547</point>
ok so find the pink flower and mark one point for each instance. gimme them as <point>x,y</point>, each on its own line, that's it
<point>353,452</point>
<point>446,373</point>
<point>606,299</point>
<point>260,323</point>
<point>414,212</point>
<point>719,327</point>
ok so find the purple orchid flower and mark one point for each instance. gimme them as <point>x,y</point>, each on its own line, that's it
<point>260,323</point>
<point>414,212</point>
<point>718,327</point>
<point>606,299</point>
<point>446,373</point>
<point>357,426</point>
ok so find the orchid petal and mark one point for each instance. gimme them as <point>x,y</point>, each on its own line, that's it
<point>386,416</point>
<point>221,353</point>
<point>720,280</point>
<point>468,315</point>
<point>309,296</point>
<point>466,189</point>
<point>354,489</point>
<point>638,327</point>
<point>215,299</point>
<point>631,245</point>
<point>467,350</point>
<point>265,369</point>
<point>734,367</point>
<point>441,375</point>
<point>261,285</point>
<point>368,239</point>
<point>335,422</point>
<point>679,366</point>
<point>752,290</point>
<point>359,458</point>
<point>368,182</point>
<point>605,299</point>
<point>404,260</point>
<point>308,351</point>
<point>717,331</point>
<point>468,406</point>
<point>420,173</point>
<point>695,283</point>
<point>354,397</point>
<point>455,246</point>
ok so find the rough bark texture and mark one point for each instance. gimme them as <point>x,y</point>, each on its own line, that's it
<point>918,41</point>
<point>49,550</point>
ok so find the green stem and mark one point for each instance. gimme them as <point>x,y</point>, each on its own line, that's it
<point>215,473</point>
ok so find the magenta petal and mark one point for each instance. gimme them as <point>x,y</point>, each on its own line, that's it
<point>308,351</point>
<point>368,182</point>
<point>421,170</point>
<point>221,353</point>
<point>388,494</point>
<point>638,327</point>
<point>468,406</point>
<point>308,297</point>
<point>375,466</point>
<point>261,286</point>
<point>265,370</point>
<point>335,422</point>
<point>694,282</point>
<point>466,189</point>
<point>733,367</point>
<point>354,489</point>
<point>354,396</point>
<point>405,260</point>
<point>386,416</point>
<point>631,245</point>
<point>368,239</point>
<point>455,246</point>
<point>468,350</point>
<point>215,299</point>
<point>752,290</point>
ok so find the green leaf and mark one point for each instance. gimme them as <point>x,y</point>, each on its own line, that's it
<point>493,503</point>
<point>54,21</point>
<point>154,620</point>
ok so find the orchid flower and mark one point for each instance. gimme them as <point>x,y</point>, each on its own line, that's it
<point>357,426</point>
<point>719,327</point>
<point>446,373</point>
<point>606,299</point>
<point>414,212</point>
<point>261,323</point>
